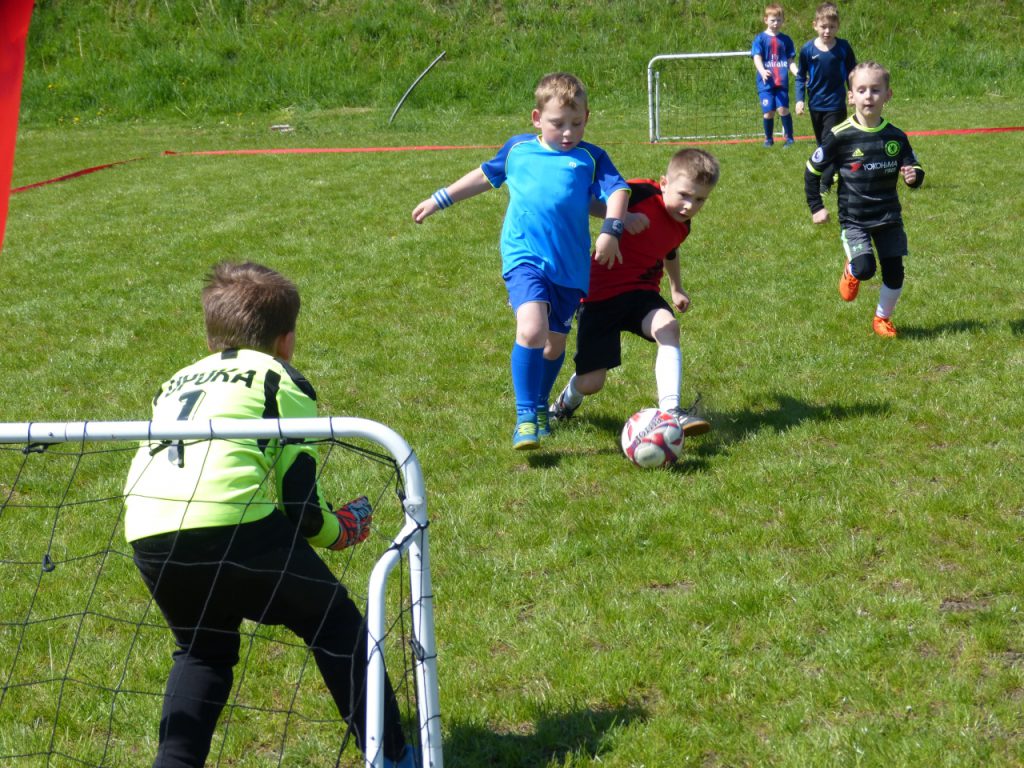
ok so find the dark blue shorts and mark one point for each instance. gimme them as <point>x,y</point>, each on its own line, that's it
<point>526,283</point>
<point>771,98</point>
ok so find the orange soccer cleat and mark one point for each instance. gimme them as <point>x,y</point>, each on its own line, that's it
<point>848,285</point>
<point>883,327</point>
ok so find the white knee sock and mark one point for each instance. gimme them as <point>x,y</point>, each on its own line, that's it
<point>887,298</point>
<point>668,373</point>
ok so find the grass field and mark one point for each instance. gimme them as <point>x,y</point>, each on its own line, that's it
<point>829,578</point>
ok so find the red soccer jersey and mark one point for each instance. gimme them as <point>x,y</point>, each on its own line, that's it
<point>643,255</point>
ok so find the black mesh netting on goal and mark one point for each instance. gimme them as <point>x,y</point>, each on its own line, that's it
<point>85,651</point>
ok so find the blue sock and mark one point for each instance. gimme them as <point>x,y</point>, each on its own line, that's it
<point>527,372</point>
<point>787,126</point>
<point>547,382</point>
<point>769,128</point>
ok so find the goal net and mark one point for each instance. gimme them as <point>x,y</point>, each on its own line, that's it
<point>694,96</point>
<point>85,652</point>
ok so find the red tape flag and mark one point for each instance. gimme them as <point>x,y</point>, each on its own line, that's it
<point>14,18</point>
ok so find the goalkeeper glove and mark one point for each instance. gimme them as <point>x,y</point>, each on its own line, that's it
<point>355,519</point>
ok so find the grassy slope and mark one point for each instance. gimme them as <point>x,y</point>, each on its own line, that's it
<point>101,59</point>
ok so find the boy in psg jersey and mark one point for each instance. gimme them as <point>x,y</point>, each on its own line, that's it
<point>870,155</point>
<point>628,297</point>
<point>224,530</point>
<point>774,58</point>
<point>545,240</point>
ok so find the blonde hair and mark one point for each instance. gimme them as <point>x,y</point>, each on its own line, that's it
<point>696,164</point>
<point>869,65</point>
<point>248,306</point>
<point>774,10</point>
<point>566,89</point>
<point>826,12</point>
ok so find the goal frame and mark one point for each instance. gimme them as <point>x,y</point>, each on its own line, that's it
<point>412,538</point>
<point>654,93</point>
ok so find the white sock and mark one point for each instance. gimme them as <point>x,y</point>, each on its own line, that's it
<point>887,298</point>
<point>668,373</point>
<point>570,395</point>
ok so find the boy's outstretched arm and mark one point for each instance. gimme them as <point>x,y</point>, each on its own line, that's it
<point>473,183</point>
<point>606,247</point>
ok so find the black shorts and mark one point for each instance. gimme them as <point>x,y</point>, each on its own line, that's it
<point>598,343</point>
<point>823,122</point>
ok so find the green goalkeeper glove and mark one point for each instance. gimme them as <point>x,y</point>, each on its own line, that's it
<point>355,519</point>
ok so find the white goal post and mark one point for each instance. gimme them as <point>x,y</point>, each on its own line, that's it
<point>411,540</point>
<point>702,95</point>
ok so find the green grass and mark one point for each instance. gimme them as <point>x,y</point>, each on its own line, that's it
<point>829,578</point>
<point>116,60</point>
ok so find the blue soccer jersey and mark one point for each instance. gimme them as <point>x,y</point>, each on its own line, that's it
<point>776,52</point>
<point>821,79</point>
<point>547,222</point>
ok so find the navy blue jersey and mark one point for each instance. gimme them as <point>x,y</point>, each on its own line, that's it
<point>868,161</point>
<point>821,76</point>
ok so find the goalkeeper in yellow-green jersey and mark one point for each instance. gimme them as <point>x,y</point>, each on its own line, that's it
<point>224,530</point>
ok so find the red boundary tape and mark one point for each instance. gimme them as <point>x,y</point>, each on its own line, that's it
<point>75,175</point>
<point>434,148</point>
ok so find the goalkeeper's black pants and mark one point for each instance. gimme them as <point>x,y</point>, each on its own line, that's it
<point>206,581</point>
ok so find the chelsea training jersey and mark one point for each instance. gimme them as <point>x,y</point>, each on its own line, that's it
<point>547,223</point>
<point>205,483</point>
<point>868,161</point>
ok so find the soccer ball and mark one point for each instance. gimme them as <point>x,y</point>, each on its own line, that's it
<point>652,438</point>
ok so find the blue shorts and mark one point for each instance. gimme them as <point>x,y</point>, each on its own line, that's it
<point>771,98</point>
<point>526,283</point>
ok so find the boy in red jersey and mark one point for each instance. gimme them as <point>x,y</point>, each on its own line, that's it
<point>628,297</point>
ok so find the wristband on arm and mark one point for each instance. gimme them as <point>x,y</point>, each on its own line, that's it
<point>613,227</point>
<point>442,199</point>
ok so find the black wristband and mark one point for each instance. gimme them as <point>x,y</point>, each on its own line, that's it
<point>613,227</point>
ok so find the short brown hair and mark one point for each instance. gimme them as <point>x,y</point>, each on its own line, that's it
<point>827,12</point>
<point>248,306</point>
<point>868,65</point>
<point>774,9</point>
<point>567,89</point>
<point>696,164</point>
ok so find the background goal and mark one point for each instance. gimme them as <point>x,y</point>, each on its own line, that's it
<point>84,652</point>
<point>693,96</point>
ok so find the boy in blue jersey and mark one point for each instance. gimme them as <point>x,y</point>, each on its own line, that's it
<point>823,65</point>
<point>214,547</point>
<point>774,58</point>
<point>545,238</point>
<point>870,155</point>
